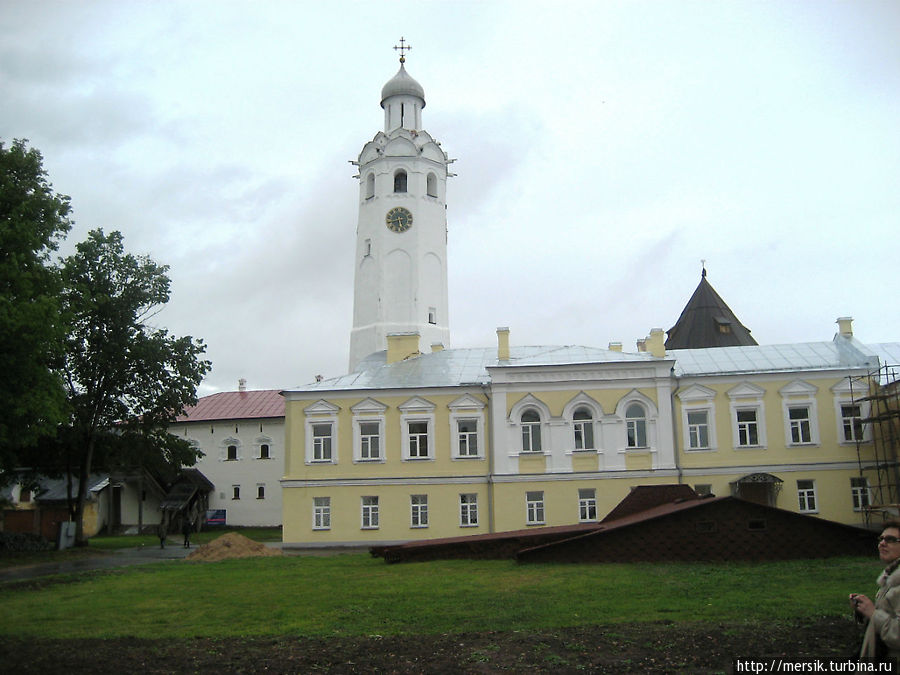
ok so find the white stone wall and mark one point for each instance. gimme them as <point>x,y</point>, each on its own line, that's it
<point>248,471</point>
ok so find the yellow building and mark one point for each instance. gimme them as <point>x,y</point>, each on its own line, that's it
<point>458,441</point>
<point>413,445</point>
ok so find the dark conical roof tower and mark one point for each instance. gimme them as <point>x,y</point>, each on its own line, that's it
<point>706,321</point>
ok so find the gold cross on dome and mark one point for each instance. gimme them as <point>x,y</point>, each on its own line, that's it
<point>403,48</point>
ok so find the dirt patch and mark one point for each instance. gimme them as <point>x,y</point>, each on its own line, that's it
<point>640,648</point>
<point>231,545</point>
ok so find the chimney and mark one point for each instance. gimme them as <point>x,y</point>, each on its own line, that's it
<point>402,346</point>
<point>503,343</point>
<point>642,345</point>
<point>242,384</point>
<point>437,347</point>
<point>656,343</point>
<point>845,326</point>
<point>615,346</point>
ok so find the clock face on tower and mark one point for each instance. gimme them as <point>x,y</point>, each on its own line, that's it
<point>398,219</point>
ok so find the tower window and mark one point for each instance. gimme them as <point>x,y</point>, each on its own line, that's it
<point>368,247</point>
<point>432,315</point>
<point>400,181</point>
<point>370,186</point>
<point>431,185</point>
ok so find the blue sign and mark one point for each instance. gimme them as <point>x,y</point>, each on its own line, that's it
<point>215,517</point>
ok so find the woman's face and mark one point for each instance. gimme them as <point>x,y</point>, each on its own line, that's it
<point>889,545</point>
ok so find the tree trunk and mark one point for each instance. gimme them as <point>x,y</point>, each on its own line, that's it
<point>80,539</point>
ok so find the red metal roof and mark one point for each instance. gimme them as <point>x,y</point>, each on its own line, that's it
<point>236,405</point>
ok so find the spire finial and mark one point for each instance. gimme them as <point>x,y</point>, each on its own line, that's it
<point>403,48</point>
<point>703,265</point>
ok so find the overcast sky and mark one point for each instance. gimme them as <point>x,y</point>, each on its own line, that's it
<point>603,149</point>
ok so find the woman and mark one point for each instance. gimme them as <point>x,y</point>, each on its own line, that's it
<point>882,637</point>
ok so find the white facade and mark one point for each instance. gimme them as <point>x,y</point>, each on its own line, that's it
<point>241,435</point>
<point>401,261</point>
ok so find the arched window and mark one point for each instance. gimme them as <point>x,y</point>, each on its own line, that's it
<point>583,423</point>
<point>531,431</point>
<point>636,426</point>
<point>431,185</point>
<point>400,181</point>
<point>370,186</point>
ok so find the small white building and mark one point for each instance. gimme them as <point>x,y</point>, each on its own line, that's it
<point>241,435</point>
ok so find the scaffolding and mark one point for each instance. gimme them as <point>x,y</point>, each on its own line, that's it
<point>880,391</point>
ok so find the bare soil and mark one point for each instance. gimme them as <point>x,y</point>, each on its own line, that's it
<point>231,545</point>
<point>641,648</point>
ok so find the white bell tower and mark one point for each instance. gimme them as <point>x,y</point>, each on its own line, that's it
<point>400,283</point>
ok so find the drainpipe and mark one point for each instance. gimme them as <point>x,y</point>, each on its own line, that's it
<point>675,428</point>
<point>490,457</point>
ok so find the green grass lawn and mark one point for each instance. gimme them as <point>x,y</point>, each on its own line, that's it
<point>355,594</point>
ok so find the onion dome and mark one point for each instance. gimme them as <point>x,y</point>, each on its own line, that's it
<point>402,85</point>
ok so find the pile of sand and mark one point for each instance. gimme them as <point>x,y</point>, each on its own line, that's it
<point>231,545</point>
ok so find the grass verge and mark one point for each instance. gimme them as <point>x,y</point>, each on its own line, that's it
<point>356,595</point>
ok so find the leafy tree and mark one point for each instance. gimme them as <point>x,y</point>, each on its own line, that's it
<point>126,380</point>
<point>32,220</point>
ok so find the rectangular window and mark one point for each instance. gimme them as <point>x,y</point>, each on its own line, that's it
<point>584,434</point>
<point>587,505</point>
<point>468,510</point>
<point>260,491</point>
<point>321,513</point>
<point>799,422</point>
<point>698,429</point>
<point>806,495</point>
<point>264,451</point>
<point>851,422</point>
<point>370,513</point>
<point>235,491</point>
<point>418,510</point>
<point>322,442</point>
<point>534,508</point>
<point>418,439</point>
<point>231,454</point>
<point>636,432</point>
<point>748,428</point>
<point>467,435</point>
<point>531,436</point>
<point>859,487</point>
<point>369,440</point>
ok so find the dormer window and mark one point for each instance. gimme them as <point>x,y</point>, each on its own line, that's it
<point>723,325</point>
<point>400,181</point>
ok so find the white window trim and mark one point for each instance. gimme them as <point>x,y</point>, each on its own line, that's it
<point>652,414</point>
<point>580,401</point>
<point>530,402</point>
<point>843,396</point>
<point>468,510</point>
<point>223,449</point>
<point>747,396</point>
<point>795,395</point>
<point>417,410</point>
<point>467,408</point>
<point>585,501</point>
<point>412,509</point>
<point>357,439</point>
<point>322,412</point>
<point>854,489</point>
<point>372,508</point>
<point>324,509</point>
<point>815,495</point>
<point>257,445</point>
<point>539,506</point>
<point>697,398</point>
